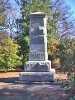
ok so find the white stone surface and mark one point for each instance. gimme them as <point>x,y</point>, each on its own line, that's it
<point>39,48</point>
<point>37,76</point>
<point>38,68</point>
<point>38,36</point>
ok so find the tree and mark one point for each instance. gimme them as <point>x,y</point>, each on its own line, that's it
<point>2,15</point>
<point>9,58</point>
<point>30,7</point>
<point>67,59</point>
<point>3,37</point>
<point>64,19</point>
<point>65,28</point>
<point>23,41</point>
<point>53,52</point>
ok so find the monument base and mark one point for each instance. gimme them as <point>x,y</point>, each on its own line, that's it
<point>37,76</point>
<point>37,66</point>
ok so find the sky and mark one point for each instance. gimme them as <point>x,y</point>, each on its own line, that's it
<point>71,3</point>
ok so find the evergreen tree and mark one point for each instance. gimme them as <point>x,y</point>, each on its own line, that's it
<point>9,58</point>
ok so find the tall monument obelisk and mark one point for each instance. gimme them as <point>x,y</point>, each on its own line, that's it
<point>38,68</point>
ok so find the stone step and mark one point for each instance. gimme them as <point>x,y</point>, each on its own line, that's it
<point>37,76</point>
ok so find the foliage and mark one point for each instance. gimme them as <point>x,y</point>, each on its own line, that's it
<point>23,42</point>
<point>66,48</point>
<point>9,58</point>
<point>3,37</point>
<point>67,59</point>
<point>2,15</point>
<point>56,63</point>
<point>53,52</point>
<point>35,6</point>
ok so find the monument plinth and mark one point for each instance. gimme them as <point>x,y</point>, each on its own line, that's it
<point>38,68</point>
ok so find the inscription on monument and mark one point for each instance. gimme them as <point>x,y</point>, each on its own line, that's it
<point>45,66</point>
<point>36,56</point>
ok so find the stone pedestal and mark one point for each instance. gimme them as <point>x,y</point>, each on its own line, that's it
<point>37,76</point>
<point>38,68</point>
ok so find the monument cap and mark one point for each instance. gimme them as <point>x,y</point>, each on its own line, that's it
<point>39,14</point>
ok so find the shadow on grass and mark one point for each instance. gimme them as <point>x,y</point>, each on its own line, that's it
<point>9,80</point>
<point>10,94</point>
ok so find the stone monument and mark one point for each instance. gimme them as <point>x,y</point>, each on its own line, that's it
<point>38,68</point>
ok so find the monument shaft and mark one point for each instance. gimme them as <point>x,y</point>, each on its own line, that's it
<point>38,37</point>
